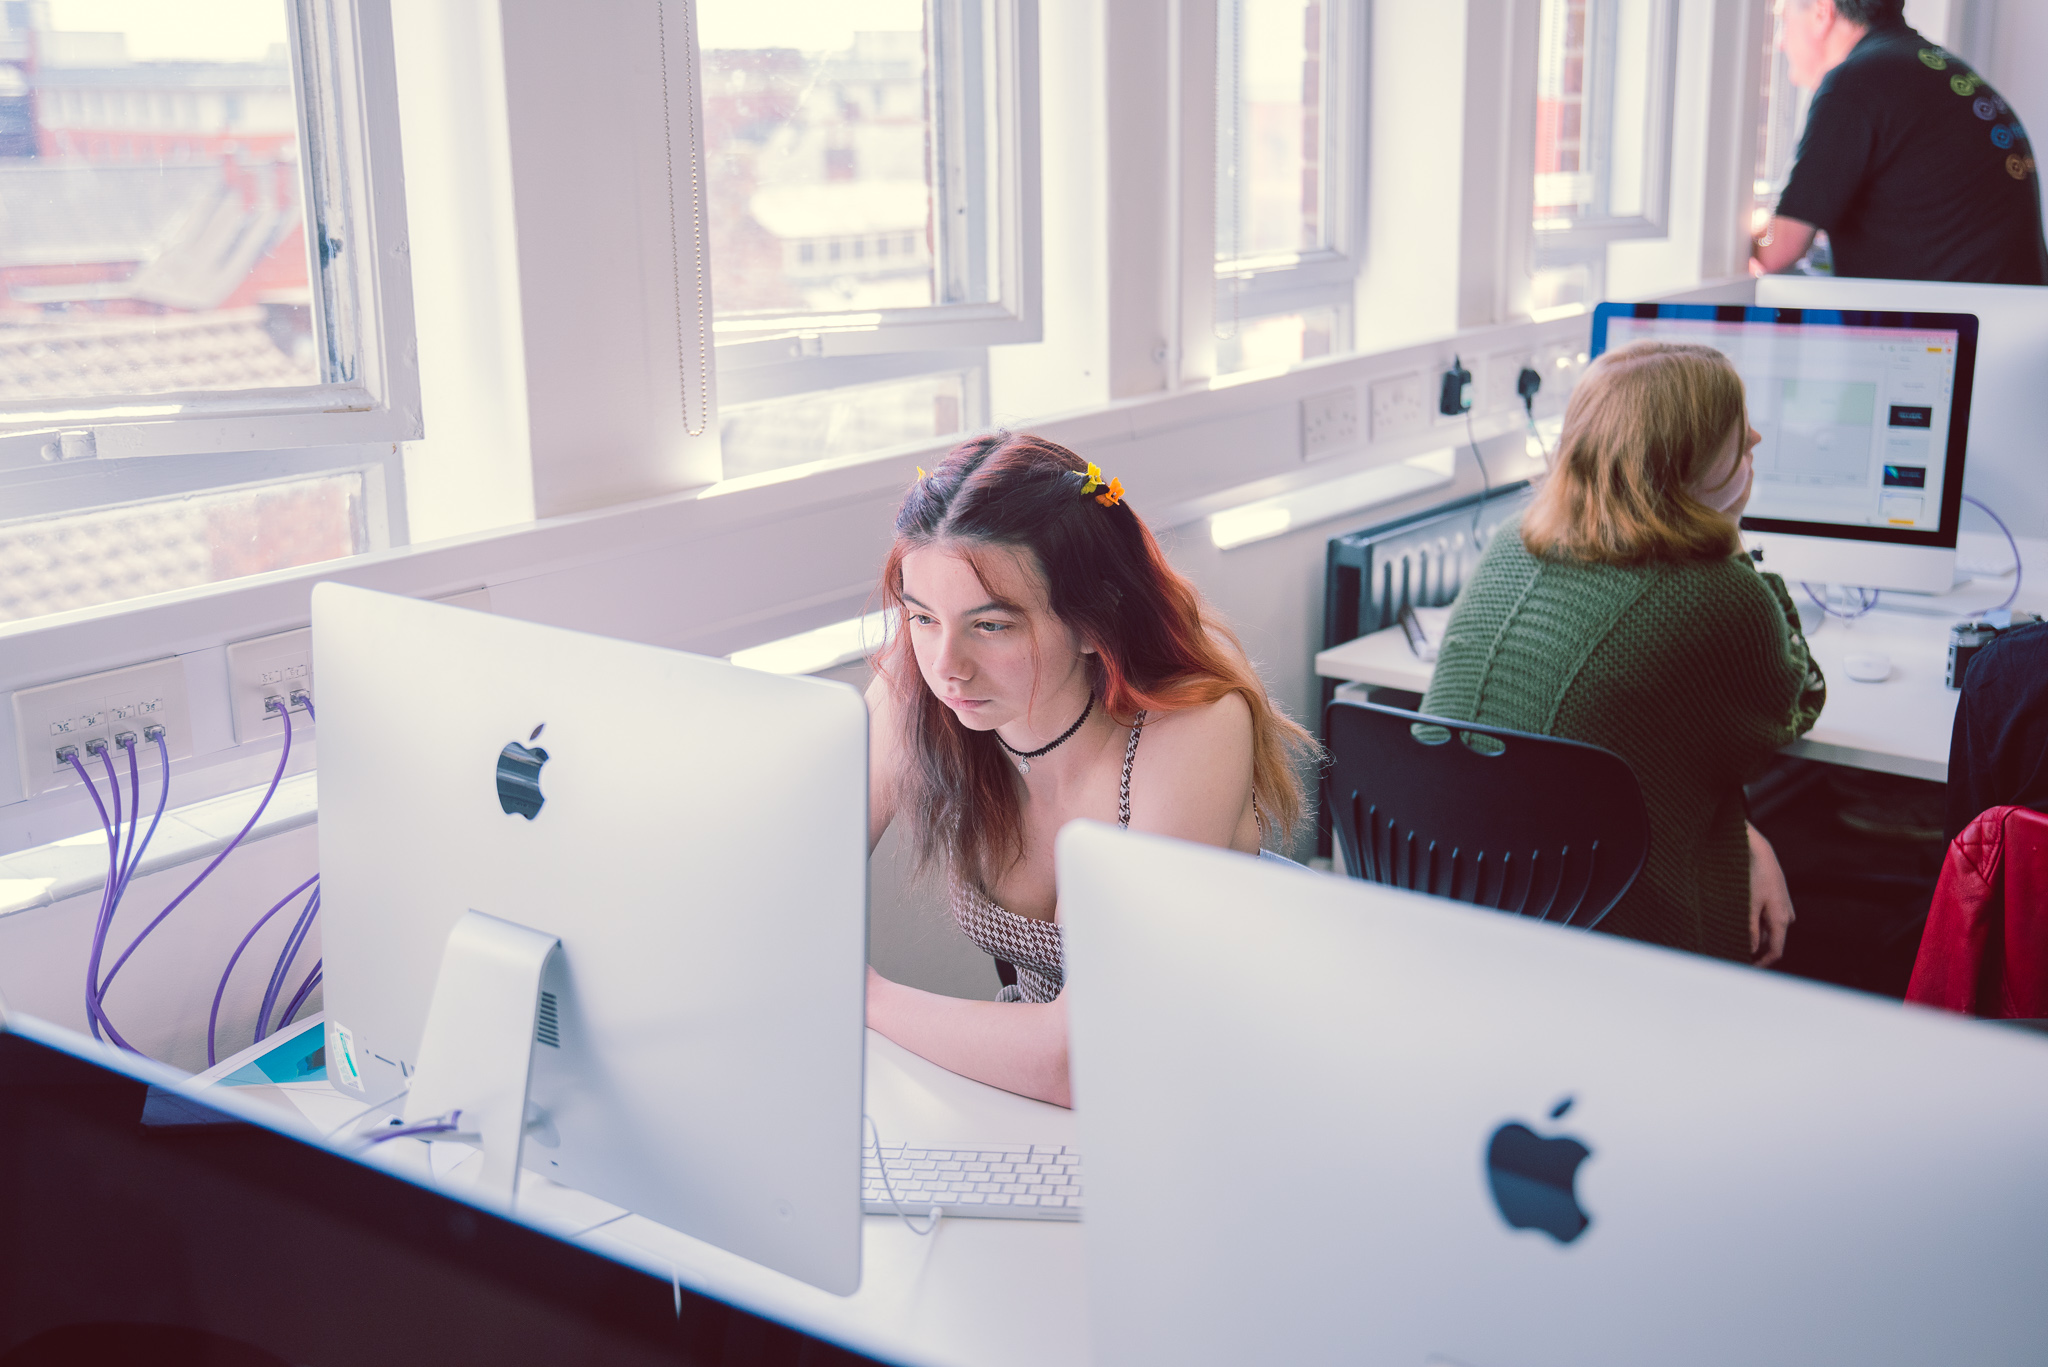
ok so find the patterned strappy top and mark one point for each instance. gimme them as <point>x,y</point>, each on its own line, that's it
<point>1032,946</point>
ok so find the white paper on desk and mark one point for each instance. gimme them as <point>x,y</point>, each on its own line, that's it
<point>1432,621</point>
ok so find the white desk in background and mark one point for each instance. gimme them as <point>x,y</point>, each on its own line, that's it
<point>1900,726</point>
<point>994,1292</point>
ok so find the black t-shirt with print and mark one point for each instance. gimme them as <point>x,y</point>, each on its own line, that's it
<point>1917,169</point>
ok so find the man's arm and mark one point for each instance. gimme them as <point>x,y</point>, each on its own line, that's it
<point>1780,245</point>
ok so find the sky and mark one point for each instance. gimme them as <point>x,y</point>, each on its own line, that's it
<point>812,25</point>
<point>180,30</point>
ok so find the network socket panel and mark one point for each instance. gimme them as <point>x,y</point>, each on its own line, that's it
<point>278,666</point>
<point>99,709</point>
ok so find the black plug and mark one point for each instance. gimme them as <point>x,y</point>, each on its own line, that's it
<point>1456,397</point>
<point>1527,384</point>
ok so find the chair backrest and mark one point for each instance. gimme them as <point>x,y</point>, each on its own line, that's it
<point>1535,825</point>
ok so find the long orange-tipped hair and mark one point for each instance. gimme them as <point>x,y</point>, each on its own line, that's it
<point>1158,647</point>
<point>1646,421</point>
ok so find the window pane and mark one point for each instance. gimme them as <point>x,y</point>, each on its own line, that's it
<point>1271,133</point>
<point>818,141</point>
<point>1594,87</point>
<point>58,563</point>
<point>152,228</point>
<point>1778,133</point>
<point>1282,340</point>
<point>1564,181</point>
<point>843,422</point>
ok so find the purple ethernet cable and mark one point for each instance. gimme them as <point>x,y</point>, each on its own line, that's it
<point>133,860</point>
<point>313,980</point>
<point>2016,566</point>
<point>414,1131</point>
<point>213,1016</point>
<point>283,759</point>
<point>93,1019</point>
<point>134,807</point>
<point>285,958</point>
<point>163,792</point>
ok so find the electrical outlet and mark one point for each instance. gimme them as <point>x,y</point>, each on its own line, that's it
<point>99,708</point>
<point>1397,407</point>
<point>264,668</point>
<point>1329,422</point>
<point>1560,364</point>
<point>1497,381</point>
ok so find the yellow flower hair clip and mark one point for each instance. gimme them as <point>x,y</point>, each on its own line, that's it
<point>1112,490</point>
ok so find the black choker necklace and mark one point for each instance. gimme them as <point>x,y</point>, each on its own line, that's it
<point>1024,757</point>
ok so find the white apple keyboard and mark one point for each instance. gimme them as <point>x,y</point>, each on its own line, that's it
<point>981,1181</point>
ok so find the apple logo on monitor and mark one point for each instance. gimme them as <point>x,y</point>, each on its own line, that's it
<point>519,776</point>
<point>1534,1178</point>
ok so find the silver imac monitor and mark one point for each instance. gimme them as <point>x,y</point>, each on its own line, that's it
<point>2008,437</point>
<point>694,833</point>
<point>1864,416</point>
<point>1401,1130</point>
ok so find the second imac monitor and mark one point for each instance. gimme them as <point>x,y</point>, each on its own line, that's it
<point>693,834</point>
<point>1859,477</point>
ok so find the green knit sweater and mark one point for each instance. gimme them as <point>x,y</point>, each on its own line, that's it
<point>1694,673</point>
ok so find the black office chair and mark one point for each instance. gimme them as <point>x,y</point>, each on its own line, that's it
<point>1534,825</point>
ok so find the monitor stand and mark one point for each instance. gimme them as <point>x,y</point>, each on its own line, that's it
<point>476,1054</point>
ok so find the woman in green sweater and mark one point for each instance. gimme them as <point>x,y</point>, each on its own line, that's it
<point>1622,611</point>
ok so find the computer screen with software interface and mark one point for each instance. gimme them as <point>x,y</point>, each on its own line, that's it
<point>1863,415</point>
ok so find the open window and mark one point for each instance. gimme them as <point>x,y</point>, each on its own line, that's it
<point>205,311</point>
<point>1604,87</point>
<point>1289,123</point>
<point>871,191</point>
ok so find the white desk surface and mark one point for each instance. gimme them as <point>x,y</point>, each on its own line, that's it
<point>991,1292</point>
<point>1900,726</point>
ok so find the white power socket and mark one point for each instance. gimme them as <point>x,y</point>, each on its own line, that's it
<point>1329,422</point>
<point>1497,383</point>
<point>264,668</point>
<point>99,708</point>
<point>1398,407</point>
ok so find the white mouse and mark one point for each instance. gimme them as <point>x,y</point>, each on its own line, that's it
<point>1873,667</point>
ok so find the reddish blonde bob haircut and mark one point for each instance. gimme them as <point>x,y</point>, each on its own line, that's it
<point>1645,423</point>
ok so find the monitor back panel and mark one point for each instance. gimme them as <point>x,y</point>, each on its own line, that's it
<point>700,848</point>
<point>1291,1088</point>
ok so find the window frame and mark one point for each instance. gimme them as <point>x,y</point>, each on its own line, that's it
<point>352,182</point>
<point>1591,234</point>
<point>809,347</point>
<point>1252,288</point>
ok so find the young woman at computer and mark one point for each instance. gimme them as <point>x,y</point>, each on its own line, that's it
<point>1049,664</point>
<point>1622,611</point>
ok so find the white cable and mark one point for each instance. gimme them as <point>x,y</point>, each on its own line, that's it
<point>932,1221</point>
<point>373,1106</point>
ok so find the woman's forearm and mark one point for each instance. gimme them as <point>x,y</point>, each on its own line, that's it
<point>1017,1046</point>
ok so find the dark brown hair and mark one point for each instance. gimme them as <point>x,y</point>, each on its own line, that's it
<point>1157,646</point>
<point>1645,422</point>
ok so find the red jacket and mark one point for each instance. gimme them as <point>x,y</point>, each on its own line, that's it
<point>1985,950</point>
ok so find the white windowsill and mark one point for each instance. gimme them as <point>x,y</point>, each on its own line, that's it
<point>48,874</point>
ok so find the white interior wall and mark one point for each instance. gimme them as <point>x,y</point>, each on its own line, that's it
<point>162,998</point>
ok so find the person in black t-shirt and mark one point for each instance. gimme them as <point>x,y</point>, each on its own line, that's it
<point>1911,162</point>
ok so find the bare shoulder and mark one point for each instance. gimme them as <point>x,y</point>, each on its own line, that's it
<point>1192,774</point>
<point>1223,724</point>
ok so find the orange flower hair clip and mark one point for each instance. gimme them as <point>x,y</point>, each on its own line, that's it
<point>1112,490</point>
